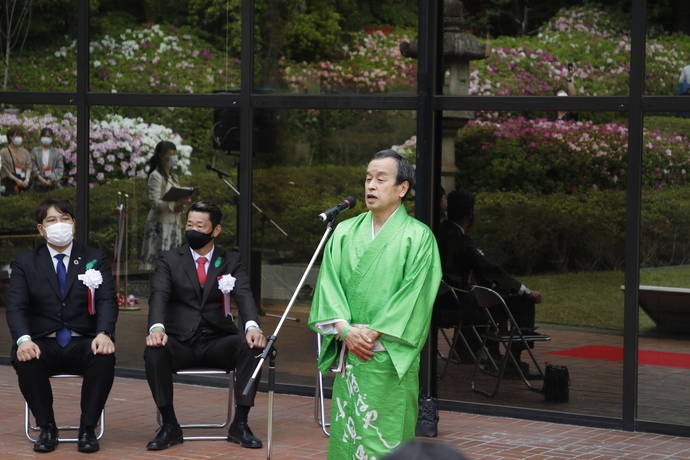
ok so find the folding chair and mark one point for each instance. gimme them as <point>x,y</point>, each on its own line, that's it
<point>509,335</point>
<point>457,325</point>
<point>319,408</point>
<point>29,428</point>
<point>231,387</point>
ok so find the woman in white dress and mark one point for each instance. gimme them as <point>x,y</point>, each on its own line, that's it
<point>163,229</point>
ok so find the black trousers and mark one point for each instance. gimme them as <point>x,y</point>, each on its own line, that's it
<point>76,358</point>
<point>224,352</point>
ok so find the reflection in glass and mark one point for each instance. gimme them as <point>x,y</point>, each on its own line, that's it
<point>332,46</point>
<point>37,147</point>
<point>550,212</point>
<point>38,46</point>
<point>320,158</point>
<point>664,254</point>
<point>666,63</point>
<point>534,61</point>
<point>122,150</point>
<point>157,47</point>
<point>18,227</point>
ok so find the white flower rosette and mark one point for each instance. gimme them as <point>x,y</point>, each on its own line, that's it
<point>226,284</point>
<point>92,279</point>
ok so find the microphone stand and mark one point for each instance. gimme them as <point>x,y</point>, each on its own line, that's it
<point>264,218</point>
<point>270,351</point>
<point>237,192</point>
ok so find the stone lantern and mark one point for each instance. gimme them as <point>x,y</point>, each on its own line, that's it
<point>458,50</point>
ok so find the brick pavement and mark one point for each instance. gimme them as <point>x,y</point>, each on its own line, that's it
<point>131,423</point>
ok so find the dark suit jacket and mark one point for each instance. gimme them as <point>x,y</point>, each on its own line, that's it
<point>177,300</point>
<point>34,303</point>
<point>460,256</point>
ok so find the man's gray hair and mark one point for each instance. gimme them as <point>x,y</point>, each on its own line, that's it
<point>404,171</point>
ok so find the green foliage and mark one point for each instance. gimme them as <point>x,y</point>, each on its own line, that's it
<point>400,13</point>
<point>531,234</point>
<point>665,231</point>
<point>537,234</point>
<point>546,157</point>
<point>314,36</point>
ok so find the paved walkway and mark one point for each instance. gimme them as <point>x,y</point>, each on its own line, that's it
<point>131,423</point>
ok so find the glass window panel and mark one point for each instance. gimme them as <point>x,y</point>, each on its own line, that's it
<point>39,46</point>
<point>328,46</point>
<point>664,251</point>
<point>667,58</point>
<point>18,227</point>
<point>318,159</point>
<point>165,47</point>
<point>530,53</point>
<point>123,141</point>
<point>550,211</point>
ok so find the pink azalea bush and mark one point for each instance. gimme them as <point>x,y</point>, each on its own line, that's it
<point>119,148</point>
<point>372,65</point>
<point>547,157</point>
<point>154,58</point>
<point>599,50</point>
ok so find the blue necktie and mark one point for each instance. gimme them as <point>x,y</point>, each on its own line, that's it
<point>63,335</point>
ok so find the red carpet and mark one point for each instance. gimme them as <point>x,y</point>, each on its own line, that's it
<point>606,353</point>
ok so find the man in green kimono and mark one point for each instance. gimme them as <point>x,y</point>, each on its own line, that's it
<point>373,301</point>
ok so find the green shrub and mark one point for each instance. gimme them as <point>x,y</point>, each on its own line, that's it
<point>537,234</point>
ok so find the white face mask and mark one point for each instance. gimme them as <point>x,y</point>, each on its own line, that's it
<point>17,141</point>
<point>59,234</point>
<point>46,141</point>
<point>173,160</point>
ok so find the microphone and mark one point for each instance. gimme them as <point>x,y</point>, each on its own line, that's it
<point>329,214</point>
<point>216,170</point>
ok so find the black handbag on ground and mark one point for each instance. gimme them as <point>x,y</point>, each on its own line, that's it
<point>427,421</point>
<point>556,383</point>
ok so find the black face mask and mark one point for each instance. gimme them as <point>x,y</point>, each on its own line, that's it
<point>197,239</point>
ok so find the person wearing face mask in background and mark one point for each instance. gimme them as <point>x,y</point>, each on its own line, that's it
<point>190,324</point>
<point>16,163</point>
<point>56,329</point>
<point>47,165</point>
<point>163,230</point>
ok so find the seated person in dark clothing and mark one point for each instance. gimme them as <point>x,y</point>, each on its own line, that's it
<point>465,264</point>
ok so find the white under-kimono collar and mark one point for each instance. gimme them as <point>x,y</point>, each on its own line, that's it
<point>373,235</point>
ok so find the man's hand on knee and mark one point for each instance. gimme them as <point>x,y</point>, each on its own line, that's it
<point>156,338</point>
<point>535,297</point>
<point>102,345</point>
<point>28,350</point>
<point>255,339</point>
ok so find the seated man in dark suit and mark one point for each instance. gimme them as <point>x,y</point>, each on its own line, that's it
<point>55,326</point>
<point>464,263</point>
<point>190,326</point>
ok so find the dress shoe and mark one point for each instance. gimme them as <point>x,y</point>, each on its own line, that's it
<point>242,435</point>
<point>48,438</point>
<point>168,435</point>
<point>87,441</point>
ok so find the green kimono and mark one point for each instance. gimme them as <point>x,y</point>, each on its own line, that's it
<point>389,283</point>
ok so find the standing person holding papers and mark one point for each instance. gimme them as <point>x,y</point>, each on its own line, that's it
<point>163,229</point>
<point>373,301</point>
